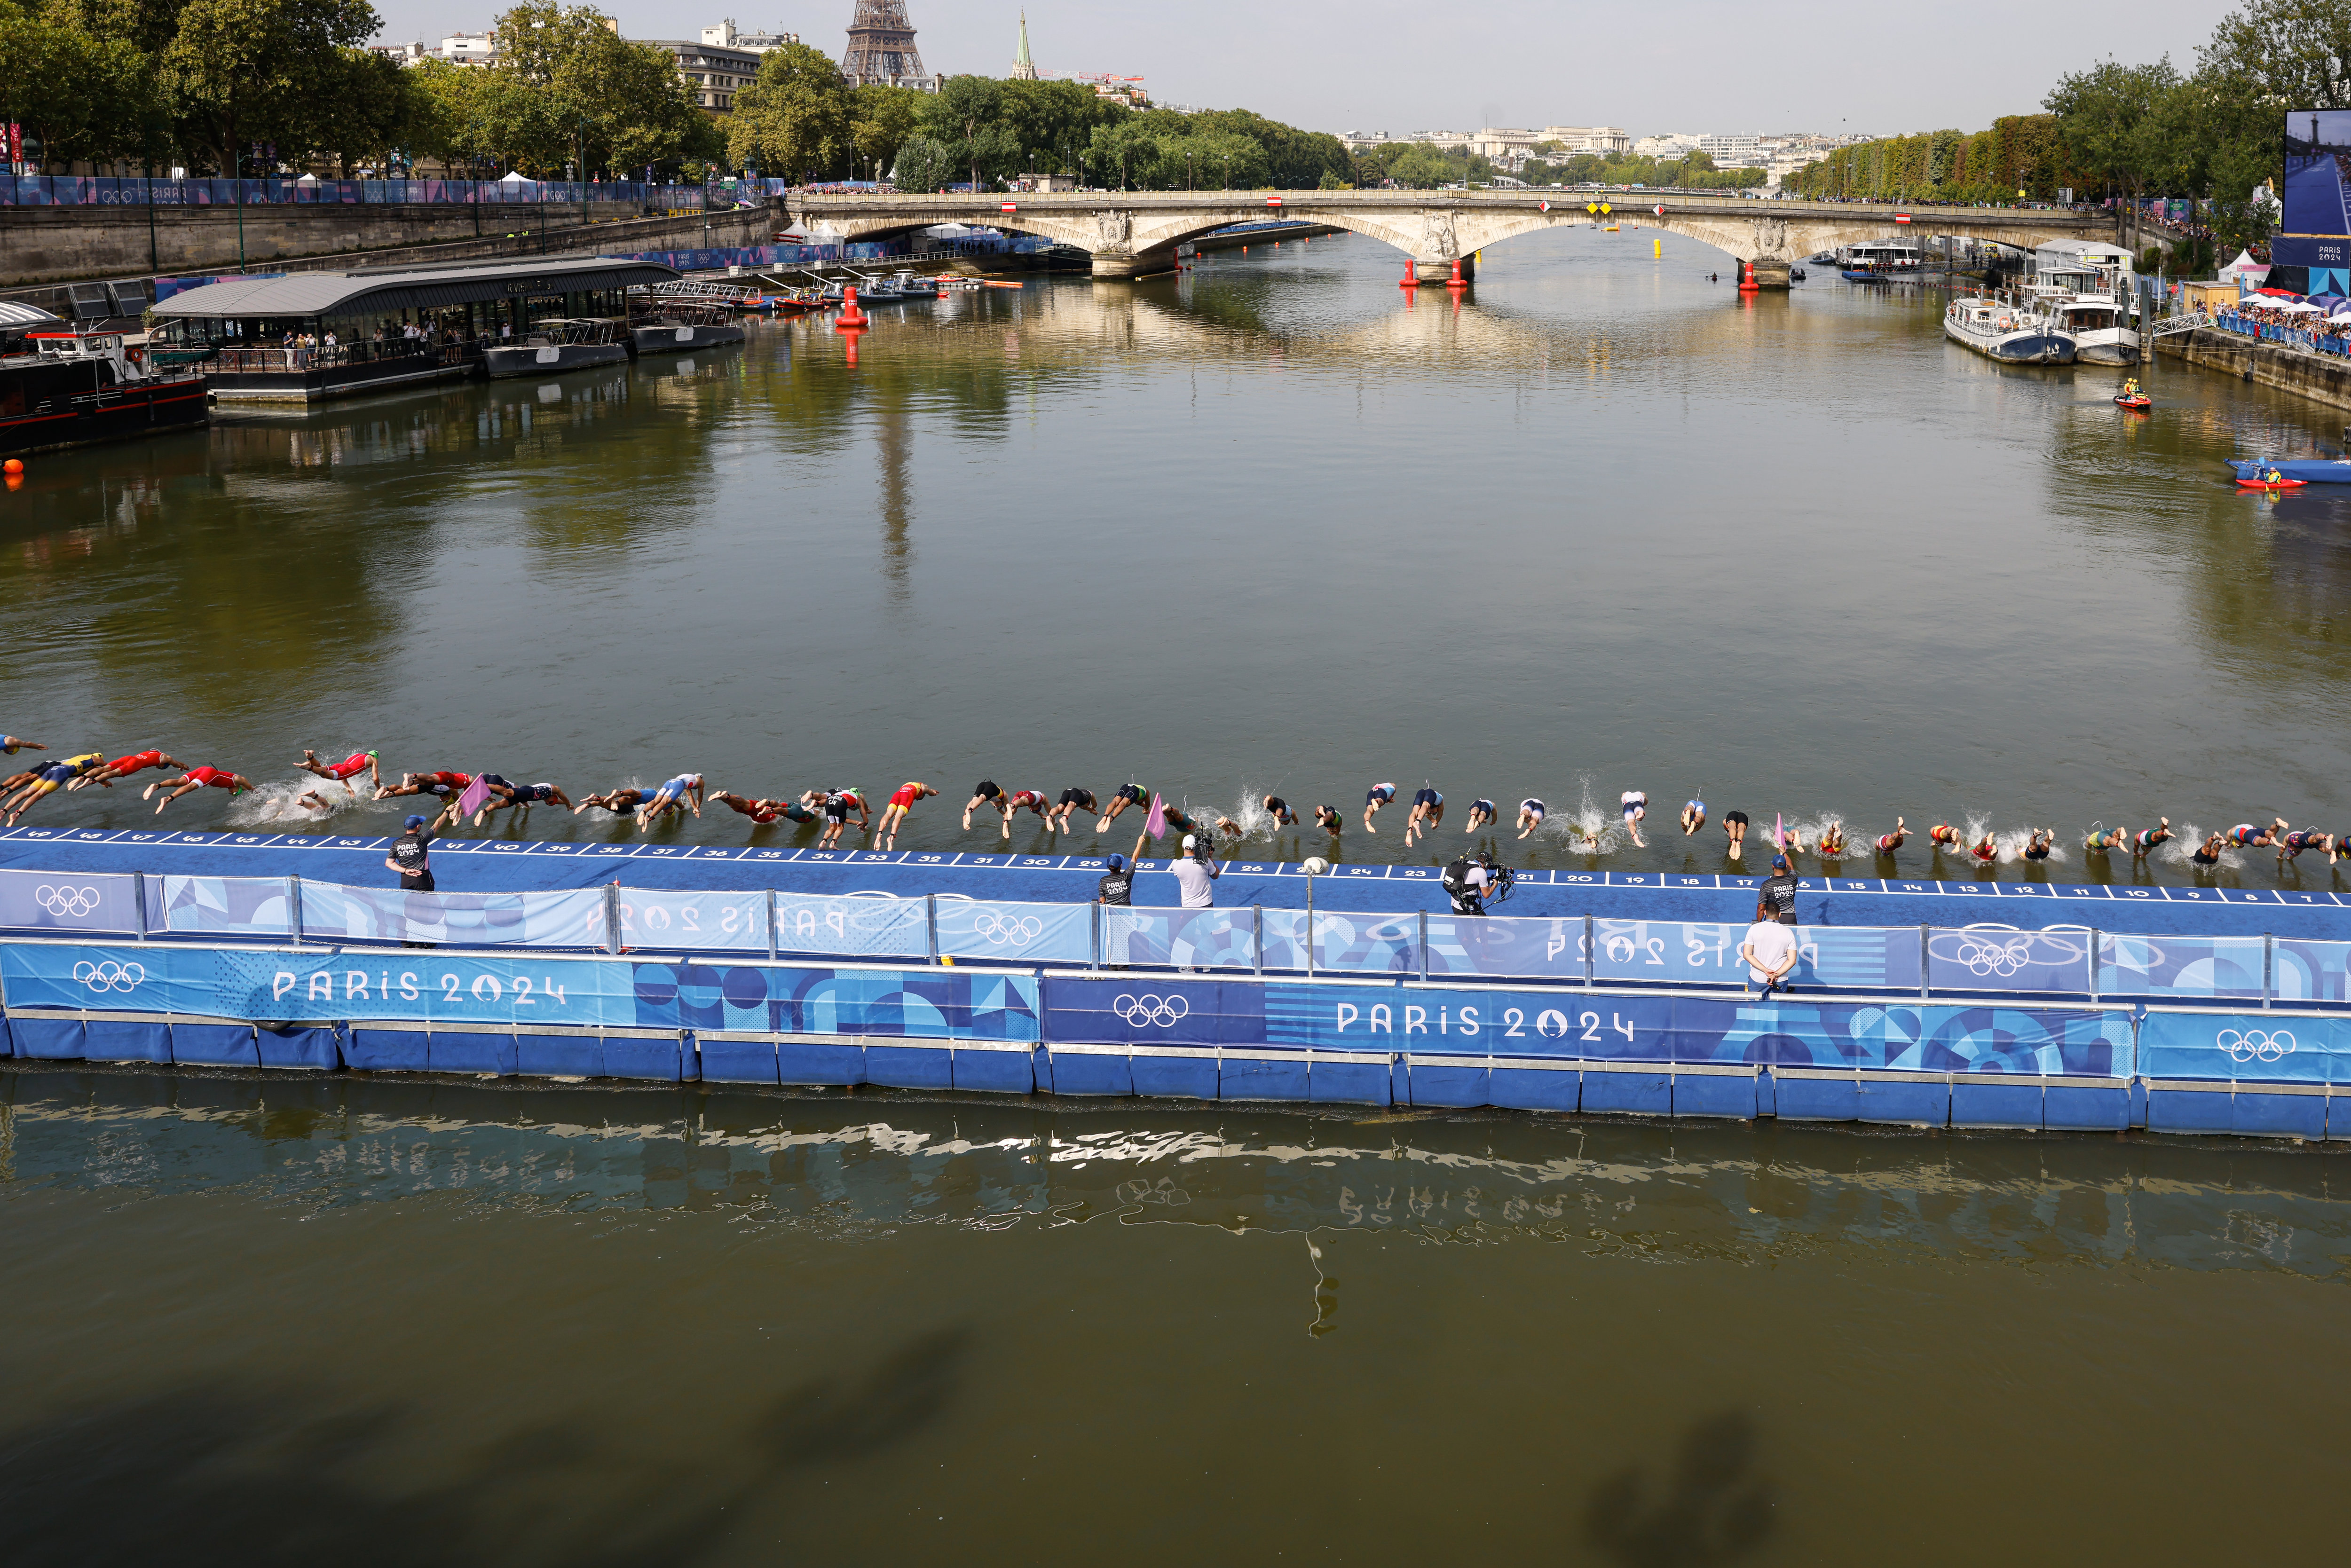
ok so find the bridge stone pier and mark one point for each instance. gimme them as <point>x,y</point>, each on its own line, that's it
<point>1134,234</point>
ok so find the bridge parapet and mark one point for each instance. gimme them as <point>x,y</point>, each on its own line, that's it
<point>1132,234</point>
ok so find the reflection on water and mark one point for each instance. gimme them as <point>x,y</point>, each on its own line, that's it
<point>1714,1506</point>
<point>1633,1190</point>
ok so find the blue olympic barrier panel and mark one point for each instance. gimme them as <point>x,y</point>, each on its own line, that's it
<point>1500,945</point>
<point>96,905</point>
<point>570,918</point>
<point>703,922</point>
<point>257,906</point>
<point>852,928</point>
<point>1157,1009</point>
<point>1188,938</point>
<point>1281,935</point>
<point>292,983</point>
<point>2284,1048</point>
<point>1893,1036</point>
<point>1006,933</point>
<point>2001,958</point>
<point>2310,971</point>
<point>1352,943</point>
<point>1833,958</point>
<point>2222,967</point>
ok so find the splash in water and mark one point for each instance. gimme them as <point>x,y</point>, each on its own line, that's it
<point>1587,830</point>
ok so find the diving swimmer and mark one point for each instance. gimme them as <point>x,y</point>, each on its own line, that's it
<point>765,811</point>
<point>124,767</point>
<point>1376,796</point>
<point>686,790</point>
<point>197,779</point>
<point>1636,804</point>
<point>901,805</point>
<point>1531,813</point>
<point>1481,814</point>
<point>1427,812</point>
<point>1693,817</point>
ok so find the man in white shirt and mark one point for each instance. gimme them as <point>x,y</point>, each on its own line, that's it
<point>1770,949</point>
<point>1194,873</point>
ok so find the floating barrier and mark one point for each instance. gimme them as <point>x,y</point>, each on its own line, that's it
<point>1958,1022</point>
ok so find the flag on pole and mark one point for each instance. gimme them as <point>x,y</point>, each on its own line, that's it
<point>1779,829</point>
<point>475,794</point>
<point>1156,824</point>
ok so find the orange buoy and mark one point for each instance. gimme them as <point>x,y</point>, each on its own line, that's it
<point>1411,277</point>
<point>1747,283</point>
<point>1455,281</point>
<point>13,465</point>
<point>851,316</point>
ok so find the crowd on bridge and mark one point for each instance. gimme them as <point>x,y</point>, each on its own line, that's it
<point>327,787</point>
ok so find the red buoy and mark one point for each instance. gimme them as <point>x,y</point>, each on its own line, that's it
<point>13,465</point>
<point>1455,281</point>
<point>851,316</point>
<point>1747,283</point>
<point>1411,277</point>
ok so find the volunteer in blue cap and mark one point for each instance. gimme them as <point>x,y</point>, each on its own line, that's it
<point>1118,886</point>
<point>408,858</point>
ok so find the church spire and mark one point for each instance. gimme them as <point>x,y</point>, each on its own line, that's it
<point>1023,67</point>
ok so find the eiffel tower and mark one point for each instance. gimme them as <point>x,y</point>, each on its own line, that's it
<point>880,45</point>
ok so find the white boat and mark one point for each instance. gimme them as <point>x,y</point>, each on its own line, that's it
<point>2101,329</point>
<point>679,325</point>
<point>559,343</point>
<point>2085,287</point>
<point>2013,334</point>
<point>1880,263</point>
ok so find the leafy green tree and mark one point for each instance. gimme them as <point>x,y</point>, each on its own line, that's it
<point>1422,167</point>
<point>233,65</point>
<point>1054,121</point>
<point>2295,53</point>
<point>924,164</point>
<point>881,118</point>
<point>967,114</point>
<point>367,108</point>
<point>84,96</point>
<point>2113,120</point>
<point>794,118</point>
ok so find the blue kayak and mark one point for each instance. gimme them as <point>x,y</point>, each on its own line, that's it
<point>2309,470</point>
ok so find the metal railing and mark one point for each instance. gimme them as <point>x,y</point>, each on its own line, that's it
<point>300,359</point>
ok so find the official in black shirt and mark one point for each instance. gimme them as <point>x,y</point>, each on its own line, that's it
<point>1778,891</point>
<point>408,858</point>
<point>1118,887</point>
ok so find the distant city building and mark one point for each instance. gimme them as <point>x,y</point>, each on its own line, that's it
<point>1023,67</point>
<point>1668,147</point>
<point>402,54</point>
<point>1502,141</point>
<point>882,48</point>
<point>1588,138</point>
<point>469,49</point>
<point>1359,141</point>
<point>724,36</point>
<point>714,71</point>
<point>1733,151</point>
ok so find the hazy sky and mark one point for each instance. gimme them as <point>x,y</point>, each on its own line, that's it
<point>1380,65</point>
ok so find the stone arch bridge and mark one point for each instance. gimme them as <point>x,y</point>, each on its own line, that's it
<point>1134,234</point>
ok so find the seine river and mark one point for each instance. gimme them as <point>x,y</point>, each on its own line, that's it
<point>1268,526</point>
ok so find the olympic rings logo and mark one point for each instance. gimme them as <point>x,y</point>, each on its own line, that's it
<point>2254,1044</point>
<point>110,975</point>
<point>66,902</point>
<point>1983,958</point>
<point>1016,931</point>
<point>1146,1010</point>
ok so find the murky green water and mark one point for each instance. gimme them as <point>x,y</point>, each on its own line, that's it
<point>275,1321</point>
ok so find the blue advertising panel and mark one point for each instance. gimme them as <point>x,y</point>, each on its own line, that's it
<point>1153,1009</point>
<point>1835,958</point>
<point>573,917</point>
<point>2226,967</point>
<point>705,922</point>
<point>1006,932</point>
<point>290,984</point>
<point>1909,1037</point>
<point>2003,959</point>
<point>1194,938</point>
<point>1520,948</point>
<point>261,908</point>
<point>104,904</point>
<point>2311,971</point>
<point>2257,1046</point>
<point>1366,944</point>
<point>860,927</point>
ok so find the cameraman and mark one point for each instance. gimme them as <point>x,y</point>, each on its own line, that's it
<point>1195,870</point>
<point>1466,881</point>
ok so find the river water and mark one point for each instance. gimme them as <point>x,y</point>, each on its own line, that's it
<point>1272,526</point>
<point>1268,526</point>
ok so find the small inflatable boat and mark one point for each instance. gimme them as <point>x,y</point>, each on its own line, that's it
<point>2271,484</point>
<point>2137,403</point>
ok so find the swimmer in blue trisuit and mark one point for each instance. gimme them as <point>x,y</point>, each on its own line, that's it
<point>1481,814</point>
<point>1693,817</point>
<point>1427,812</point>
<point>2211,853</point>
<point>11,743</point>
<point>686,789</point>
<point>1376,796</point>
<point>1127,794</point>
<point>2292,845</point>
<point>1637,806</point>
<point>1327,818</point>
<point>506,796</point>
<point>1532,812</point>
<point>2143,842</point>
<point>2040,842</point>
<point>2244,835</point>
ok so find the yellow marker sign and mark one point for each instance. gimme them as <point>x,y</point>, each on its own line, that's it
<point>1605,207</point>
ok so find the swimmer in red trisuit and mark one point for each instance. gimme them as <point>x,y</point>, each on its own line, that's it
<point>343,772</point>
<point>1985,850</point>
<point>1943,836</point>
<point>902,804</point>
<point>442,783</point>
<point>1888,842</point>
<point>124,767</point>
<point>763,811</point>
<point>1830,845</point>
<point>194,779</point>
<point>1032,801</point>
<point>2143,842</point>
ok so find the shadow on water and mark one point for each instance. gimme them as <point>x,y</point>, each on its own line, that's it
<point>1715,1506</point>
<point>216,1473</point>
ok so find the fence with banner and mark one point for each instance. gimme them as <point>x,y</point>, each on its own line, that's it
<point>105,191</point>
<point>2068,963</point>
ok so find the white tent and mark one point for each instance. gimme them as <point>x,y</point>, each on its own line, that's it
<point>307,180</point>
<point>518,178</point>
<point>2247,265</point>
<point>2299,306</point>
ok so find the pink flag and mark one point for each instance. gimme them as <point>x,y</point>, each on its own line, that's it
<point>476,794</point>
<point>1779,829</point>
<point>1156,824</point>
